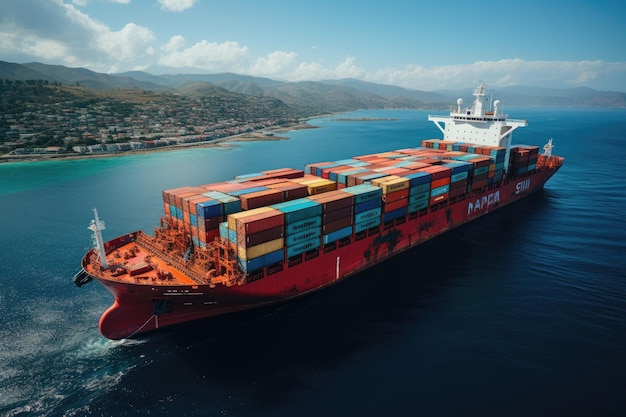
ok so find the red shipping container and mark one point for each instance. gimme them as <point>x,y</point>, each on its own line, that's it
<point>336,225</point>
<point>209,235</point>
<point>457,192</point>
<point>252,239</point>
<point>257,222</point>
<point>477,185</point>
<point>212,223</point>
<point>439,198</point>
<point>260,199</point>
<point>437,171</point>
<point>394,205</point>
<point>396,195</point>
<point>440,182</point>
<point>333,200</point>
<point>334,215</point>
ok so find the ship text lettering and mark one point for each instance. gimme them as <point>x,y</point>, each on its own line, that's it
<point>483,202</point>
<point>522,186</point>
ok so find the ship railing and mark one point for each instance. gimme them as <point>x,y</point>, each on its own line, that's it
<point>145,241</point>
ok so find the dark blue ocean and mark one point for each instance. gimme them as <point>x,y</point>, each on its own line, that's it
<point>520,313</point>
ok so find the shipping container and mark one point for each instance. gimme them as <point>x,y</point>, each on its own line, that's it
<point>364,192</point>
<point>394,205</point>
<point>259,250</point>
<point>367,215</point>
<point>304,224</point>
<point>396,195</point>
<point>234,217</point>
<point>440,182</point>
<point>336,235</point>
<point>437,172</point>
<point>336,225</point>
<point>367,205</point>
<point>334,215</point>
<point>423,196</point>
<point>418,205</point>
<point>262,198</point>
<point>247,240</point>
<point>303,235</point>
<point>438,199</point>
<point>302,247</point>
<point>298,209</point>
<point>418,189</point>
<point>321,186</point>
<point>255,264</point>
<point>396,214</point>
<point>258,222</point>
<point>367,224</point>
<point>333,200</point>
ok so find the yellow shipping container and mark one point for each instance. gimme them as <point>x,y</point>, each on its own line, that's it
<point>232,218</point>
<point>260,250</point>
<point>320,186</point>
<point>395,185</point>
<point>380,180</point>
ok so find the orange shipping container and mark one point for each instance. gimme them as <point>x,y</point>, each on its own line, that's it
<point>394,205</point>
<point>440,182</point>
<point>396,195</point>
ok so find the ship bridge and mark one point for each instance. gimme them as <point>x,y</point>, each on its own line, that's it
<point>478,126</point>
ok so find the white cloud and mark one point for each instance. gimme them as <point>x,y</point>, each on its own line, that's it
<point>210,56</point>
<point>176,5</point>
<point>506,72</point>
<point>276,64</point>
<point>58,32</point>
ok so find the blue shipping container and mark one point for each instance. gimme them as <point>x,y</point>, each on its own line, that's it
<point>367,205</point>
<point>303,235</point>
<point>208,209</point>
<point>392,215</point>
<point>368,224</point>
<point>440,190</point>
<point>418,205</point>
<point>302,247</point>
<point>298,209</point>
<point>260,262</point>
<point>367,215</point>
<point>337,234</point>
<point>418,178</point>
<point>364,192</point>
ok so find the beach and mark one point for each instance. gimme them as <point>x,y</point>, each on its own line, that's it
<point>272,134</point>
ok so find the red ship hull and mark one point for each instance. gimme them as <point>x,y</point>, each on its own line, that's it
<point>134,312</point>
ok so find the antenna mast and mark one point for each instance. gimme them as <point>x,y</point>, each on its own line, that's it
<point>96,227</point>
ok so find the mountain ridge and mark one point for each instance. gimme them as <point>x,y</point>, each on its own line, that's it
<point>312,96</point>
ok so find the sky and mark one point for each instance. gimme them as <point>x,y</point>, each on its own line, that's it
<point>443,44</point>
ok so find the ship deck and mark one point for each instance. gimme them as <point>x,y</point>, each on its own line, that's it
<point>134,264</point>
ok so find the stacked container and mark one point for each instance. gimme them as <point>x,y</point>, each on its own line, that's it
<point>419,191</point>
<point>259,235</point>
<point>440,183</point>
<point>337,215</point>
<point>303,225</point>
<point>459,177</point>
<point>395,196</point>
<point>367,200</point>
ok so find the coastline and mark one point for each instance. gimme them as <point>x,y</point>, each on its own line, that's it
<point>259,135</point>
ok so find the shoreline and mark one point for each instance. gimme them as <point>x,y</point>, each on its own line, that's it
<point>230,141</point>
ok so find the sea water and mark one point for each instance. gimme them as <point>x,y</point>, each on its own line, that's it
<point>522,312</point>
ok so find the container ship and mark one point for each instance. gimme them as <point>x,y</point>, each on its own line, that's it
<point>270,236</point>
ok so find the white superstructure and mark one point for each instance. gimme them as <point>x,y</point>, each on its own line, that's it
<point>477,126</point>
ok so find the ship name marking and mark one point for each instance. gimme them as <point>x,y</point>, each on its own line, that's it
<point>483,202</point>
<point>522,186</point>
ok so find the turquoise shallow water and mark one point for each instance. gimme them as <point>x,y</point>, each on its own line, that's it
<point>519,313</point>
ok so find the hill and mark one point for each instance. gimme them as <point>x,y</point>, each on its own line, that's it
<point>309,97</point>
